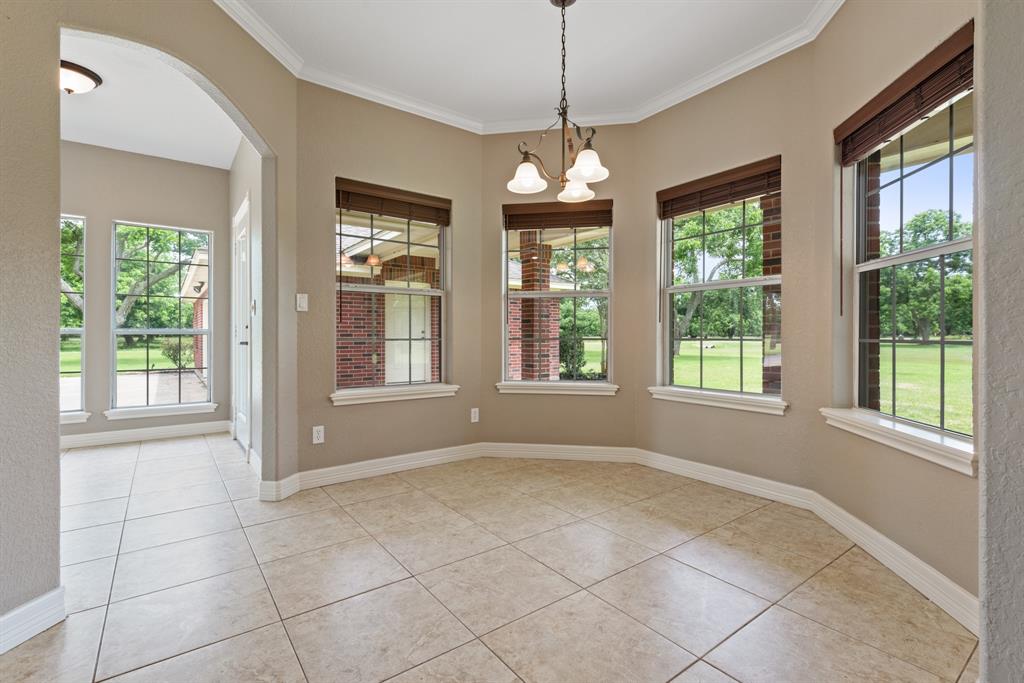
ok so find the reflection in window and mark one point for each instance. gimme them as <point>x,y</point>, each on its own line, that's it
<point>72,311</point>
<point>915,282</point>
<point>161,316</point>
<point>556,309</point>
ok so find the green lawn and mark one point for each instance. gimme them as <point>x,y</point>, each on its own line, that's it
<point>133,358</point>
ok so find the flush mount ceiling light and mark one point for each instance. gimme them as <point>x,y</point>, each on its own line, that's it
<point>75,79</point>
<point>584,166</point>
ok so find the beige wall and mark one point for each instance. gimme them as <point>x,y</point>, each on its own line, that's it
<point>103,185</point>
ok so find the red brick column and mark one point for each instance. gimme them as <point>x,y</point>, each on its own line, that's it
<point>198,310</point>
<point>539,318</point>
<point>771,235</point>
<point>870,320</point>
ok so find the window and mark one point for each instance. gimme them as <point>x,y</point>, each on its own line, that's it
<point>390,287</point>
<point>557,292</point>
<point>161,315</point>
<point>915,271</point>
<point>721,298</point>
<point>72,311</point>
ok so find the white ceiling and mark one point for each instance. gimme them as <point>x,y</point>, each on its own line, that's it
<point>143,106</point>
<point>493,65</point>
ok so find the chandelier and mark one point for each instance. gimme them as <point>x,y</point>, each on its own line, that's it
<point>583,166</point>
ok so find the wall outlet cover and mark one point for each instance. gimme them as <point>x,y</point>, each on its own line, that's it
<point>318,434</point>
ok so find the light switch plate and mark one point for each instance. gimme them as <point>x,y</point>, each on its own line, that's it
<point>302,302</point>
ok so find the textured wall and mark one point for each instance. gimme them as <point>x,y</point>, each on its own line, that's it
<point>1001,317</point>
<point>105,185</point>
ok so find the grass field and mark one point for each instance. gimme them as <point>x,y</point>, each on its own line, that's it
<point>133,358</point>
<point>917,392</point>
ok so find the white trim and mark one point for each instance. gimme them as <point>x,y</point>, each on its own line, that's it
<point>159,411</point>
<point>143,434</point>
<point>946,594</point>
<point>255,461</point>
<point>255,26</point>
<point>243,208</point>
<point>760,281</point>
<point>922,254</point>
<point>560,388</point>
<point>279,490</point>
<point>74,417</point>
<point>348,397</point>
<point>31,618</point>
<point>954,452</point>
<point>754,403</point>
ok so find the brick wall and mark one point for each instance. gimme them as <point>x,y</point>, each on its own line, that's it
<point>534,324</point>
<point>771,235</point>
<point>198,315</point>
<point>870,322</point>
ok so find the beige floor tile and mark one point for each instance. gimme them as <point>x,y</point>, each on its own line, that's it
<point>74,473</point>
<point>583,552</point>
<point>517,518</point>
<point>782,646</point>
<point>182,525</point>
<point>261,656</point>
<point>90,543</point>
<point>92,514</point>
<point>647,482</point>
<point>226,454</point>
<point>800,512</point>
<point>470,663</point>
<point>972,672</point>
<point>690,608</point>
<point>294,535</point>
<point>653,524</point>
<point>360,490</point>
<point>584,498</point>
<point>303,582</point>
<point>349,641</point>
<point>490,590</point>
<point>239,489</point>
<point>437,475</point>
<point>162,481</point>
<point>237,470</point>
<point>583,640</point>
<point>858,596</point>
<point>174,564</point>
<point>87,584</point>
<point>425,546</point>
<point>702,673</point>
<point>465,496</point>
<point>114,453</point>
<point>148,468</point>
<point>159,502</point>
<point>744,561</point>
<point>533,478</point>
<point>413,507</point>
<point>156,626</point>
<point>172,448</point>
<point>254,511</point>
<point>65,653</point>
<point>798,534</point>
<point>76,493</point>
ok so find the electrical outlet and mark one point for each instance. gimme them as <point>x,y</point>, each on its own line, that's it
<point>302,302</point>
<point>318,434</point>
<point>474,414</point>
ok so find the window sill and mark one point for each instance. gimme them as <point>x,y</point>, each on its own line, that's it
<point>349,397</point>
<point>74,417</point>
<point>559,388</point>
<point>956,453</point>
<point>159,411</point>
<point>754,403</point>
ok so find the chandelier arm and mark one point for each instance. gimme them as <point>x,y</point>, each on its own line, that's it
<point>540,162</point>
<point>525,149</point>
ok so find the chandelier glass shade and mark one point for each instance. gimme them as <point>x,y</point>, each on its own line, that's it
<point>578,167</point>
<point>75,79</point>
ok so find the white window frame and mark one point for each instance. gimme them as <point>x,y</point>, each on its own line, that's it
<point>80,415</point>
<point>559,387</point>
<point>767,404</point>
<point>128,412</point>
<point>412,390</point>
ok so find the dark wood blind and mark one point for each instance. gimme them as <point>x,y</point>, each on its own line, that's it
<point>752,180</point>
<point>946,72</point>
<point>595,213</point>
<point>354,195</point>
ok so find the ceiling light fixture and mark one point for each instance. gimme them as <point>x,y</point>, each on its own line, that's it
<point>75,79</point>
<point>583,166</point>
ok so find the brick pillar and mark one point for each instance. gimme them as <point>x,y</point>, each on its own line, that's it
<point>870,320</point>
<point>359,346</point>
<point>198,307</point>
<point>771,300</point>
<point>539,318</point>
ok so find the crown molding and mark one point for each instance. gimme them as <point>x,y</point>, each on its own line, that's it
<point>819,17</point>
<point>263,33</point>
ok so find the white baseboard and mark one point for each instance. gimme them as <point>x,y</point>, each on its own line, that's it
<point>957,602</point>
<point>143,434</point>
<point>34,617</point>
<point>256,462</point>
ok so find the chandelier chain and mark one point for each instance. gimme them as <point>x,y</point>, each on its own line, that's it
<point>564,103</point>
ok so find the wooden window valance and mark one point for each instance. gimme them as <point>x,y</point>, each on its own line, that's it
<point>946,72</point>
<point>595,213</point>
<point>752,180</point>
<point>354,195</point>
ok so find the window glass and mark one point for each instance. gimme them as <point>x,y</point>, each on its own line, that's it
<point>72,311</point>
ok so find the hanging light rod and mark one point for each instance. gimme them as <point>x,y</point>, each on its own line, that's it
<point>584,166</point>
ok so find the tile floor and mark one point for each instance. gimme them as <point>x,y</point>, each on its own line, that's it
<point>485,570</point>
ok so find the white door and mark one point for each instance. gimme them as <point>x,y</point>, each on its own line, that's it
<point>406,324</point>
<point>241,320</point>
